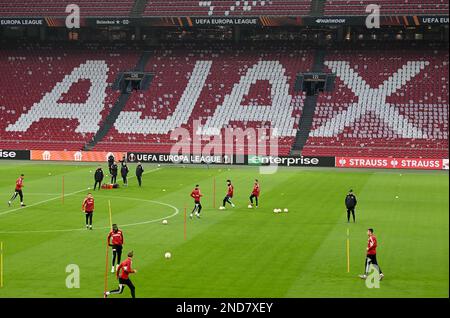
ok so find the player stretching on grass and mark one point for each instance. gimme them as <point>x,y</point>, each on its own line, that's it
<point>255,194</point>
<point>371,257</point>
<point>122,273</point>
<point>117,243</point>
<point>198,206</point>
<point>88,208</point>
<point>229,195</point>
<point>18,191</point>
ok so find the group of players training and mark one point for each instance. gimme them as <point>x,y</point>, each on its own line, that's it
<point>115,236</point>
<point>196,195</point>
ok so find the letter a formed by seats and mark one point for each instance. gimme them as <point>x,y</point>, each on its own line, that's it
<point>88,114</point>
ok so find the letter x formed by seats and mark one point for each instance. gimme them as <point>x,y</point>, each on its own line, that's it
<point>372,100</point>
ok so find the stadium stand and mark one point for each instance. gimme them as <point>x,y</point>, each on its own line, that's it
<point>227,8</point>
<point>50,8</point>
<point>387,7</point>
<point>384,103</point>
<point>399,109</point>
<point>181,88</point>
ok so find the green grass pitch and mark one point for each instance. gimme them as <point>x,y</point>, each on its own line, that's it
<point>233,253</point>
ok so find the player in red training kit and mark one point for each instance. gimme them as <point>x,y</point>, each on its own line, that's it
<point>196,194</point>
<point>371,257</point>
<point>255,194</point>
<point>88,208</point>
<point>117,243</point>
<point>122,273</point>
<point>230,192</point>
<point>18,191</point>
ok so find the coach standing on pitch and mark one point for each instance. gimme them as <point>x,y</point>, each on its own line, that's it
<point>98,177</point>
<point>350,203</point>
<point>139,172</point>
<point>114,169</point>
<point>110,162</point>
<point>124,173</point>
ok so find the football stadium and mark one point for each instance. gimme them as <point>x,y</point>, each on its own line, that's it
<point>224,149</point>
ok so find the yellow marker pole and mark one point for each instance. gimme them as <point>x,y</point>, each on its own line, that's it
<point>1,264</point>
<point>348,251</point>
<point>214,192</point>
<point>110,213</point>
<point>62,194</point>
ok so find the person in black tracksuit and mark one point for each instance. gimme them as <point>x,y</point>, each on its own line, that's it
<point>139,172</point>
<point>110,162</point>
<point>124,173</point>
<point>123,161</point>
<point>98,177</point>
<point>114,169</point>
<point>350,203</point>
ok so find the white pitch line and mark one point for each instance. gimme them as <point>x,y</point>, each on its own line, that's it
<point>33,193</point>
<point>58,197</point>
<point>38,203</point>
<point>105,227</point>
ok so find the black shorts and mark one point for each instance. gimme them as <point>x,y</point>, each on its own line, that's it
<point>18,191</point>
<point>125,281</point>
<point>372,258</point>
<point>117,248</point>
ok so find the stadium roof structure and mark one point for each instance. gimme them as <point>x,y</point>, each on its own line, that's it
<point>223,12</point>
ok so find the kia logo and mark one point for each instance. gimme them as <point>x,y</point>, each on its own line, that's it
<point>342,162</point>
<point>394,162</point>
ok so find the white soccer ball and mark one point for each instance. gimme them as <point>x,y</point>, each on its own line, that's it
<point>167,255</point>
<point>250,206</point>
<point>89,188</point>
<point>164,222</point>
<point>286,210</point>
<point>396,196</point>
<point>275,210</point>
<point>164,190</point>
<point>159,165</point>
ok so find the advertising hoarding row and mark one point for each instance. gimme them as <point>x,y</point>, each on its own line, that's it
<point>251,160</point>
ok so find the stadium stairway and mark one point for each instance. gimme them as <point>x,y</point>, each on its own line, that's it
<point>117,108</point>
<point>309,109</point>
<point>318,7</point>
<point>138,8</point>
